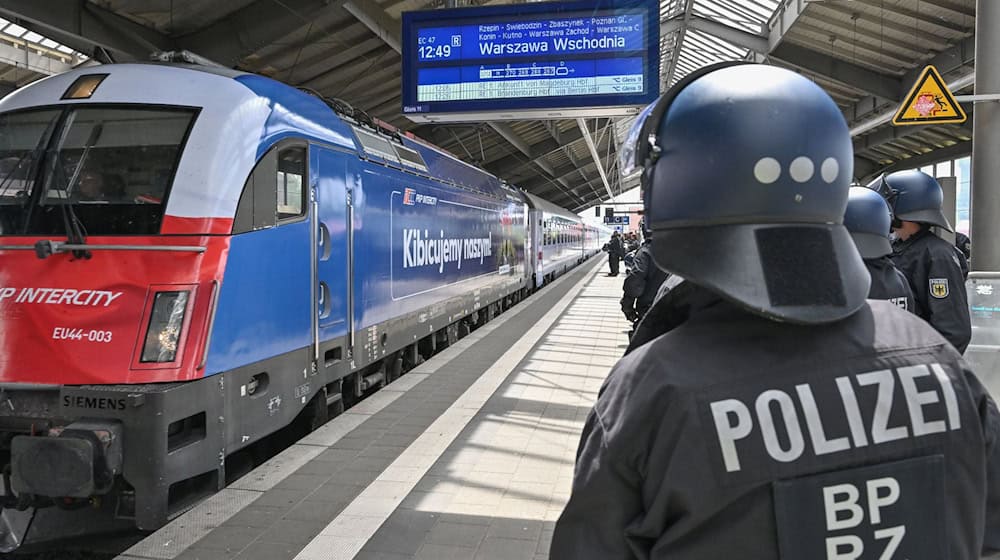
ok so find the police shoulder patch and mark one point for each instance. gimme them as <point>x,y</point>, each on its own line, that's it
<point>939,287</point>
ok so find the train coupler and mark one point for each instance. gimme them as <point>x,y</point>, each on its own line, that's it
<point>80,460</point>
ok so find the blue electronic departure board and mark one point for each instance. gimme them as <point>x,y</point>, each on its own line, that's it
<point>539,60</point>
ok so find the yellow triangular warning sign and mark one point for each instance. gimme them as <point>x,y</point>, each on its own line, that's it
<point>929,102</point>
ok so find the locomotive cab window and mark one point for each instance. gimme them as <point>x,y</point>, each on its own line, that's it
<point>276,190</point>
<point>107,169</point>
<point>291,178</point>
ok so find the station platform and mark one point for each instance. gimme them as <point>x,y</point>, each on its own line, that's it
<point>468,456</point>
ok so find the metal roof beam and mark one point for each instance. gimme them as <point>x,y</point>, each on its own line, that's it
<point>892,133</point>
<point>738,37</point>
<point>325,65</point>
<point>27,59</point>
<point>597,156</point>
<point>563,173</point>
<point>865,167</point>
<point>668,77</point>
<point>363,80</point>
<point>511,136</point>
<point>915,47</point>
<point>923,18</point>
<point>376,19</point>
<point>954,151</point>
<point>82,25</point>
<point>553,128</point>
<point>515,140</point>
<point>782,21</point>
<point>382,99</point>
<point>444,134</point>
<point>291,51</point>
<point>957,7</point>
<point>857,77</point>
<point>247,30</point>
<point>515,162</point>
<point>889,24</point>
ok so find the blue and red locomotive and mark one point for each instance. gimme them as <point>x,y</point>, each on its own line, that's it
<point>193,258</point>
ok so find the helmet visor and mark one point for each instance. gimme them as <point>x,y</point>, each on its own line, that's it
<point>628,154</point>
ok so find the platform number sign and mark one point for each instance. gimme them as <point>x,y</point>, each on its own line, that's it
<point>616,220</point>
<point>886,512</point>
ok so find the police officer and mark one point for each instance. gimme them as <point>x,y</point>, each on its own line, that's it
<point>615,252</point>
<point>787,416</point>
<point>934,267</point>
<point>964,244</point>
<point>868,220</point>
<point>642,282</point>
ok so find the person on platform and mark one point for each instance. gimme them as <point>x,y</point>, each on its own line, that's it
<point>868,220</point>
<point>643,281</point>
<point>632,242</point>
<point>964,245</point>
<point>616,251</point>
<point>935,268</point>
<point>787,416</point>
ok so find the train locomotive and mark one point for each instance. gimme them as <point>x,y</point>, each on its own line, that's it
<point>192,258</point>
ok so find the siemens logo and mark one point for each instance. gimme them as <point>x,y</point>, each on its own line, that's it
<point>96,403</point>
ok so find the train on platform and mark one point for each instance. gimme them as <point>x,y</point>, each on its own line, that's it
<point>193,258</point>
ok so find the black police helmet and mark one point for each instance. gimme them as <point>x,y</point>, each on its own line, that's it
<point>916,197</point>
<point>868,220</point>
<point>751,165</point>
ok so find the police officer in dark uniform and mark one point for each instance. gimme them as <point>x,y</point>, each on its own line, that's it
<point>615,252</point>
<point>787,417</point>
<point>643,280</point>
<point>964,244</point>
<point>868,220</point>
<point>935,268</point>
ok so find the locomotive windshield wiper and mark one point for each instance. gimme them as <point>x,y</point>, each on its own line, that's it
<point>30,159</point>
<point>26,158</point>
<point>75,232</point>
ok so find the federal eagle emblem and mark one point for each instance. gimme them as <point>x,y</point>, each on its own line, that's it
<point>939,287</point>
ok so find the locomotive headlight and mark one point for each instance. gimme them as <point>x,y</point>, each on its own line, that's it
<point>165,323</point>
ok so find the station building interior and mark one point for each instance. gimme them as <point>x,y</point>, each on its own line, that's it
<point>462,444</point>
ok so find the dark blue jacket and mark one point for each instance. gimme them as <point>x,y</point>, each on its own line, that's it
<point>934,268</point>
<point>727,436</point>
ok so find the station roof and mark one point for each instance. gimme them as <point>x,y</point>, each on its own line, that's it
<point>865,53</point>
<point>26,56</point>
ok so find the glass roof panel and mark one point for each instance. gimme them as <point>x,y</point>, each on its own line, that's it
<point>15,30</point>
